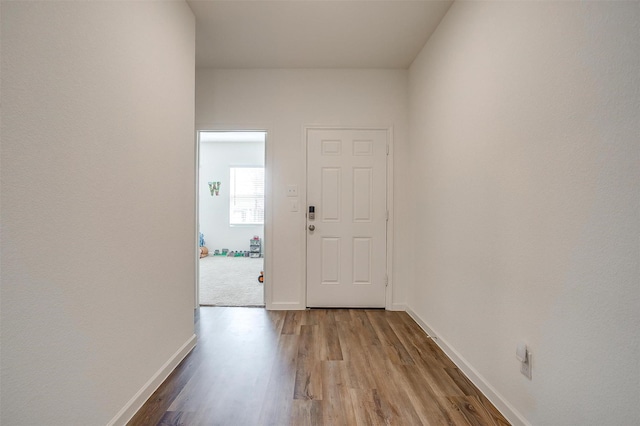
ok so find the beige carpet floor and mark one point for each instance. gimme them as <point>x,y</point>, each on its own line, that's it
<point>231,281</point>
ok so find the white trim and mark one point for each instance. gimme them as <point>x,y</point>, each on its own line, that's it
<point>268,222</point>
<point>389,202</point>
<point>287,306</point>
<point>197,221</point>
<point>507,410</point>
<point>131,408</point>
<point>390,216</point>
<point>305,206</point>
<point>397,307</point>
<point>268,196</point>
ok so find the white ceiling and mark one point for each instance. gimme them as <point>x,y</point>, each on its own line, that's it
<point>313,33</point>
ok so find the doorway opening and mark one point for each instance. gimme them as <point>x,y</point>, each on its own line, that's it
<point>231,200</point>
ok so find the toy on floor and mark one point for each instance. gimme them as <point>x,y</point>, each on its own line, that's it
<point>204,252</point>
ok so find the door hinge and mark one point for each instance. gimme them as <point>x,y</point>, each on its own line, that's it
<point>387,216</point>
<point>387,149</point>
<point>386,280</point>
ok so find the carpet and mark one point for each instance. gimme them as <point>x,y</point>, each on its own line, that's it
<point>231,281</point>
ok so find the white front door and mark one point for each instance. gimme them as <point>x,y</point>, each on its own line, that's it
<point>346,241</point>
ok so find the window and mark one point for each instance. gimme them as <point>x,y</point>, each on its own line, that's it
<point>246,201</point>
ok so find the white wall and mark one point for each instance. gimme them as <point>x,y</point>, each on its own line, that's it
<point>525,156</point>
<point>283,102</point>
<point>98,221</point>
<point>216,158</point>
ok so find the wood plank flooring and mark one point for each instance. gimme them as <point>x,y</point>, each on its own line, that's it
<point>314,367</point>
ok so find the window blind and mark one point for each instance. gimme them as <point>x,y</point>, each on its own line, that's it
<point>246,201</point>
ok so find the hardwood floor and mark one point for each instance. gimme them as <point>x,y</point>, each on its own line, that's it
<point>315,367</point>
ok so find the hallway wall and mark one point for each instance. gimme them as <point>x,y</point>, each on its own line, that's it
<point>283,102</point>
<point>98,221</point>
<point>524,121</point>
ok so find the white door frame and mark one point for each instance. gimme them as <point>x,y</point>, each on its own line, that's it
<point>389,227</point>
<point>268,194</point>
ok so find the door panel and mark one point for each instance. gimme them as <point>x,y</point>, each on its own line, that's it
<point>330,261</point>
<point>361,194</point>
<point>346,250</point>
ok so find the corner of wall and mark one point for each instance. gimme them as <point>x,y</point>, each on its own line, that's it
<point>472,374</point>
<point>398,307</point>
<point>137,401</point>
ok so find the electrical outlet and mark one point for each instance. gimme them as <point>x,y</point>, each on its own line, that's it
<point>525,367</point>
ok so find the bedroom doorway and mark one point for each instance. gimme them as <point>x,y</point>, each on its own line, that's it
<point>231,200</point>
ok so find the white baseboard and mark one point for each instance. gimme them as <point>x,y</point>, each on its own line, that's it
<point>286,306</point>
<point>131,408</point>
<point>507,410</point>
<point>295,306</point>
<point>397,307</point>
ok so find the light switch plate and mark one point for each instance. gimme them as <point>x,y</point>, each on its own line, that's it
<point>293,205</point>
<point>292,190</point>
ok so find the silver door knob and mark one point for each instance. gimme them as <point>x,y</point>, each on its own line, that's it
<point>312,227</point>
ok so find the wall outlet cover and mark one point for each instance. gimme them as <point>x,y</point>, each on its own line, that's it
<point>525,367</point>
